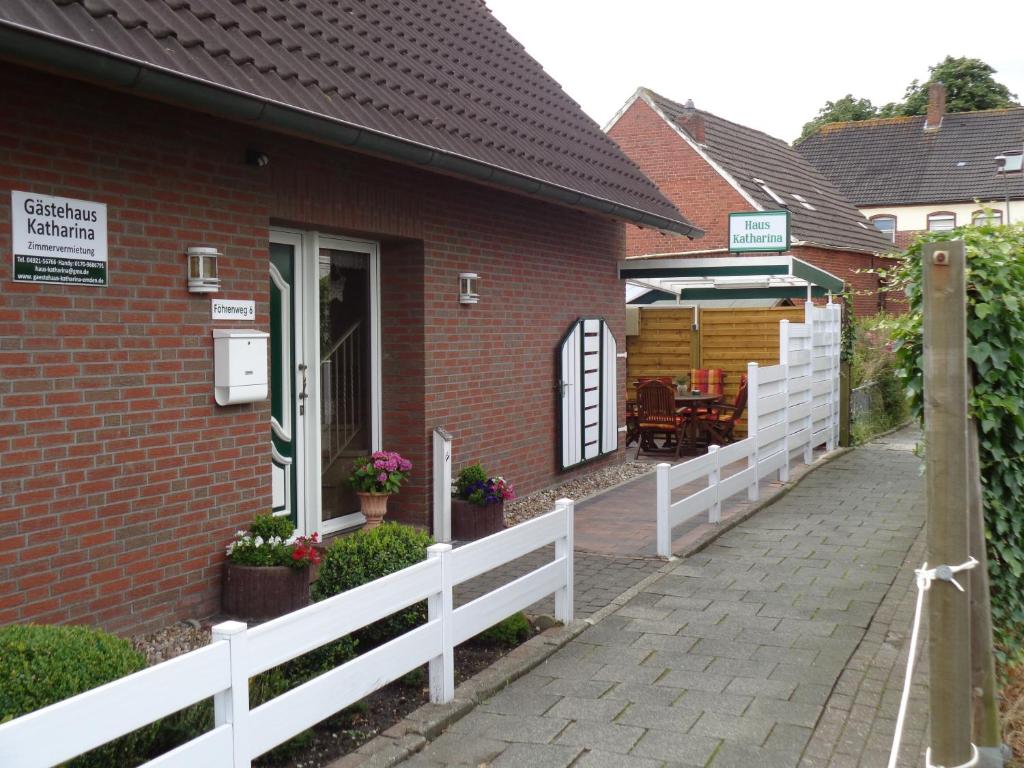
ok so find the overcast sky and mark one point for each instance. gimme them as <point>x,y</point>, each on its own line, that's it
<point>770,66</point>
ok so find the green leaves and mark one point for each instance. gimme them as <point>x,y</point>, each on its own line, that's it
<point>995,329</point>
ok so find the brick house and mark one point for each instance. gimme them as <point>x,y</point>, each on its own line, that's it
<point>348,164</point>
<point>719,167</point>
<point>927,172</point>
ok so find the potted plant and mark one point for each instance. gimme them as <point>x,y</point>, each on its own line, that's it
<point>478,503</point>
<point>268,569</point>
<point>374,478</point>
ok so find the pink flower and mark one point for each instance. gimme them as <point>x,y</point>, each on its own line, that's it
<point>382,477</point>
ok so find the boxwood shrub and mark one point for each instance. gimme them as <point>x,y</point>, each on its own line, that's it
<point>352,561</point>
<point>41,665</point>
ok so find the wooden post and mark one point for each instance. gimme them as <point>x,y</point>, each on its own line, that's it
<point>988,736</point>
<point>944,326</point>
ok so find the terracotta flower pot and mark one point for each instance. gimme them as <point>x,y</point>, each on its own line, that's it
<point>257,593</point>
<point>373,506</point>
<point>471,521</point>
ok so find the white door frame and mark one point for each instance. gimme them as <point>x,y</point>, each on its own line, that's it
<point>307,351</point>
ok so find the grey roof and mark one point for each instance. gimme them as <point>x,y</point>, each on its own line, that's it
<point>443,77</point>
<point>747,154</point>
<point>895,161</point>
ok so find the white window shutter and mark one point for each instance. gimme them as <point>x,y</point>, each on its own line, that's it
<point>589,402</point>
<point>571,416</point>
<point>609,399</point>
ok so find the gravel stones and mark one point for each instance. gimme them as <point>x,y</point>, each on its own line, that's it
<point>577,489</point>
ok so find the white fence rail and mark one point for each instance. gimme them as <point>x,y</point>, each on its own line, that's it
<point>57,733</point>
<point>792,408</point>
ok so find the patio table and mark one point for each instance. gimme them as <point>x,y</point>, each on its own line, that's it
<point>689,427</point>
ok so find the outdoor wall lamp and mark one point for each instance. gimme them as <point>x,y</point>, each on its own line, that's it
<point>468,290</point>
<point>202,270</point>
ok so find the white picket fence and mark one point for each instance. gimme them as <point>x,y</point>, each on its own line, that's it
<point>792,408</point>
<point>222,669</point>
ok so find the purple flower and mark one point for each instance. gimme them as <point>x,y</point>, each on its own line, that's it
<point>382,477</point>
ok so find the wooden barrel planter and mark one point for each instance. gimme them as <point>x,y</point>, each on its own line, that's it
<point>471,521</point>
<point>258,593</point>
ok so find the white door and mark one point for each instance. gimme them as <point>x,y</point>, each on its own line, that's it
<point>325,381</point>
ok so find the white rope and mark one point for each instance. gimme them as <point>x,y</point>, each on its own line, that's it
<point>969,764</point>
<point>924,579</point>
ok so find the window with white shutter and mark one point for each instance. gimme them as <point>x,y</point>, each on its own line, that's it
<point>589,392</point>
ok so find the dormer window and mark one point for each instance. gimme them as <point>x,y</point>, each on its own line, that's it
<point>1010,162</point>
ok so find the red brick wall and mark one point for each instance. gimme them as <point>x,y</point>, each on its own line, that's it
<point>703,196</point>
<point>124,480</point>
<point>851,267</point>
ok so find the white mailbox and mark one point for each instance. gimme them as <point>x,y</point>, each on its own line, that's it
<point>239,366</point>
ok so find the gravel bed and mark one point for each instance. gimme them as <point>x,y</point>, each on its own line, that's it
<point>576,489</point>
<point>172,641</point>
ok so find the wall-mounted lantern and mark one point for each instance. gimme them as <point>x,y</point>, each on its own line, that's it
<point>202,270</point>
<point>468,288</point>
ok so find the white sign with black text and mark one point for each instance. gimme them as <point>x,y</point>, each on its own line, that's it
<point>227,309</point>
<point>58,239</point>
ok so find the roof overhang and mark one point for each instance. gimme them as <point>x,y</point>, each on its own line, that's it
<point>70,58</point>
<point>746,277</point>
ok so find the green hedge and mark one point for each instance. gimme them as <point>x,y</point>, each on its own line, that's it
<point>995,330</point>
<point>41,665</point>
<point>365,556</point>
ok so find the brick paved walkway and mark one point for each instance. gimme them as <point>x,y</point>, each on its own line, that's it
<point>730,656</point>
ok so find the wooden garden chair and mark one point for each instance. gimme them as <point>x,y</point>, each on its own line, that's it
<point>656,415</point>
<point>719,423</point>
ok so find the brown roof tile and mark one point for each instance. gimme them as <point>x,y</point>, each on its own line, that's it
<point>440,74</point>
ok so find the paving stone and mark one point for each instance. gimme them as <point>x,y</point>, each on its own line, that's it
<point>586,689</point>
<point>662,695</point>
<point>537,756</point>
<point>743,756</point>
<point>681,748</point>
<point>752,730</point>
<point>670,718</point>
<point>600,710</point>
<point>703,701</point>
<point>610,737</point>
<point>596,758</point>
<point>752,686</point>
<point>520,702</point>
<point>539,730</point>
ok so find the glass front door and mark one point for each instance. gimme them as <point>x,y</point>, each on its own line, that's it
<point>325,383</point>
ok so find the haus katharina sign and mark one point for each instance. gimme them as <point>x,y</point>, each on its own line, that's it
<point>58,239</point>
<point>752,231</point>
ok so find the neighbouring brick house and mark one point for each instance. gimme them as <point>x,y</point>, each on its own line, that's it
<point>928,172</point>
<point>719,167</point>
<point>349,162</point>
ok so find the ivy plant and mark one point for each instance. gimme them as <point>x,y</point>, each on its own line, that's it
<point>995,337</point>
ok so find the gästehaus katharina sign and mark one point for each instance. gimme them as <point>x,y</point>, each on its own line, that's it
<point>58,240</point>
<point>752,231</point>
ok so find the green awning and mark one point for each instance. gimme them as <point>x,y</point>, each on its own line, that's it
<point>745,277</point>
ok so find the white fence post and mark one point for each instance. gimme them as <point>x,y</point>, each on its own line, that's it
<point>809,313</point>
<point>664,532</point>
<point>835,326</point>
<point>753,492</point>
<point>232,706</point>
<point>564,602</point>
<point>442,485</point>
<point>714,478</point>
<point>440,606</point>
<point>784,361</point>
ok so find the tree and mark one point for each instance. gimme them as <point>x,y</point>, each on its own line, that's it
<point>839,111</point>
<point>969,87</point>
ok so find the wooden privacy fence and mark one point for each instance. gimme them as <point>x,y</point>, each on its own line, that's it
<point>222,669</point>
<point>726,338</point>
<point>792,407</point>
